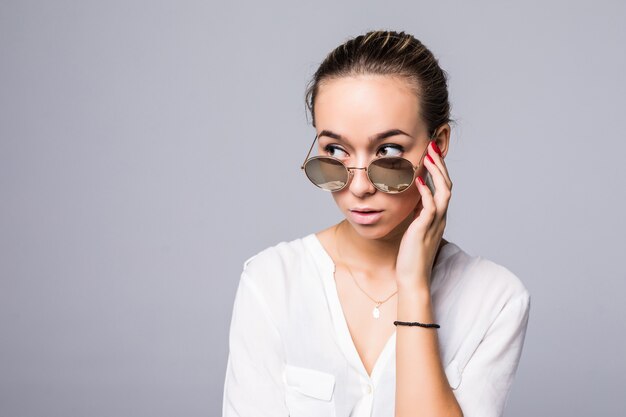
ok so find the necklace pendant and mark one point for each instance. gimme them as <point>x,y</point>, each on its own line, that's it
<point>376,312</point>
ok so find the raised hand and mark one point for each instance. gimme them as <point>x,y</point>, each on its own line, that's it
<point>421,240</point>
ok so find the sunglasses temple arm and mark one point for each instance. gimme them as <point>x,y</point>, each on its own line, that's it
<point>420,163</point>
<point>309,153</point>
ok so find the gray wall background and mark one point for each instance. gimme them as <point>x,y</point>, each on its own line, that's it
<point>147,148</point>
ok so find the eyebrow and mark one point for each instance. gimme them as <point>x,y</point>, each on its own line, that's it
<point>374,138</point>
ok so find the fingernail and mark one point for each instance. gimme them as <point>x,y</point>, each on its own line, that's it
<point>429,158</point>
<point>436,148</point>
<point>421,180</point>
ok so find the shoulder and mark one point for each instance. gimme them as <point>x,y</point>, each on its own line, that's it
<point>286,267</point>
<point>473,293</point>
<point>479,280</point>
<point>279,257</point>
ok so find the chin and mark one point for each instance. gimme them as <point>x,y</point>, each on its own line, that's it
<point>370,231</point>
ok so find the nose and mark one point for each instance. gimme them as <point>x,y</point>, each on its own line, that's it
<point>360,184</point>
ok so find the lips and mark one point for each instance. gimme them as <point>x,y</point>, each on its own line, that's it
<point>365,215</point>
<point>365,210</point>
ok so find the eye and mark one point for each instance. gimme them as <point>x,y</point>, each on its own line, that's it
<point>390,149</point>
<point>335,151</point>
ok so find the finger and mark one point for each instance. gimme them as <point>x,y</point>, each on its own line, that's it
<point>439,162</point>
<point>442,189</point>
<point>436,173</point>
<point>429,208</point>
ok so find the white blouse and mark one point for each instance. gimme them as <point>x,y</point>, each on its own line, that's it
<point>291,353</point>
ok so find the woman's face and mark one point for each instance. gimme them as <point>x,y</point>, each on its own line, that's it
<point>348,112</point>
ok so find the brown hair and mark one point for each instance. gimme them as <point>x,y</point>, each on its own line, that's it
<point>389,53</point>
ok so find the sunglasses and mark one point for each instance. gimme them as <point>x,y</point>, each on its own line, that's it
<point>389,174</point>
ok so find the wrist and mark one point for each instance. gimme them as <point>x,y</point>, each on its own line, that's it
<point>415,305</point>
<point>415,295</point>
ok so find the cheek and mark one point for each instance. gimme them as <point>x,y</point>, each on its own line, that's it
<point>410,198</point>
<point>408,205</point>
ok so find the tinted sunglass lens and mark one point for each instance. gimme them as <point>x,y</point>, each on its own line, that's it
<point>327,173</point>
<point>391,175</point>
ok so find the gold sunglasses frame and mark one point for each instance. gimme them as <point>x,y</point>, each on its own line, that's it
<point>350,169</point>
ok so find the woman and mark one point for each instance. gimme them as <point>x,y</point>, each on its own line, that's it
<point>377,315</point>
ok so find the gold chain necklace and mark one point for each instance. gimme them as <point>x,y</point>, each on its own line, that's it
<point>375,311</point>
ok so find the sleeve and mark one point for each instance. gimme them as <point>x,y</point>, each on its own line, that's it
<point>488,375</point>
<point>253,384</point>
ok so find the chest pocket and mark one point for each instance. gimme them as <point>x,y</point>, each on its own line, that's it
<point>309,392</point>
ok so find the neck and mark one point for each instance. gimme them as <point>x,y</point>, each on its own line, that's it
<point>369,254</point>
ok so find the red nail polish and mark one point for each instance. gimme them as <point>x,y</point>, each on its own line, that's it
<point>421,180</point>
<point>430,159</point>
<point>436,148</point>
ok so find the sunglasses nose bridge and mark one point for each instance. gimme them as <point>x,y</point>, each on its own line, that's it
<point>367,178</point>
<point>352,169</point>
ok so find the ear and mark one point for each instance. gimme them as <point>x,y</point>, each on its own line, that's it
<point>442,138</point>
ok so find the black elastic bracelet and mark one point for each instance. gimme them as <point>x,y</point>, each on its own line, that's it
<point>415,323</point>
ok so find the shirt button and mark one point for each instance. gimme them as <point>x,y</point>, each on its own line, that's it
<point>367,389</point>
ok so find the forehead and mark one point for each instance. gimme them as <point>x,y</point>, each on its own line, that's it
<point>365,104</point>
